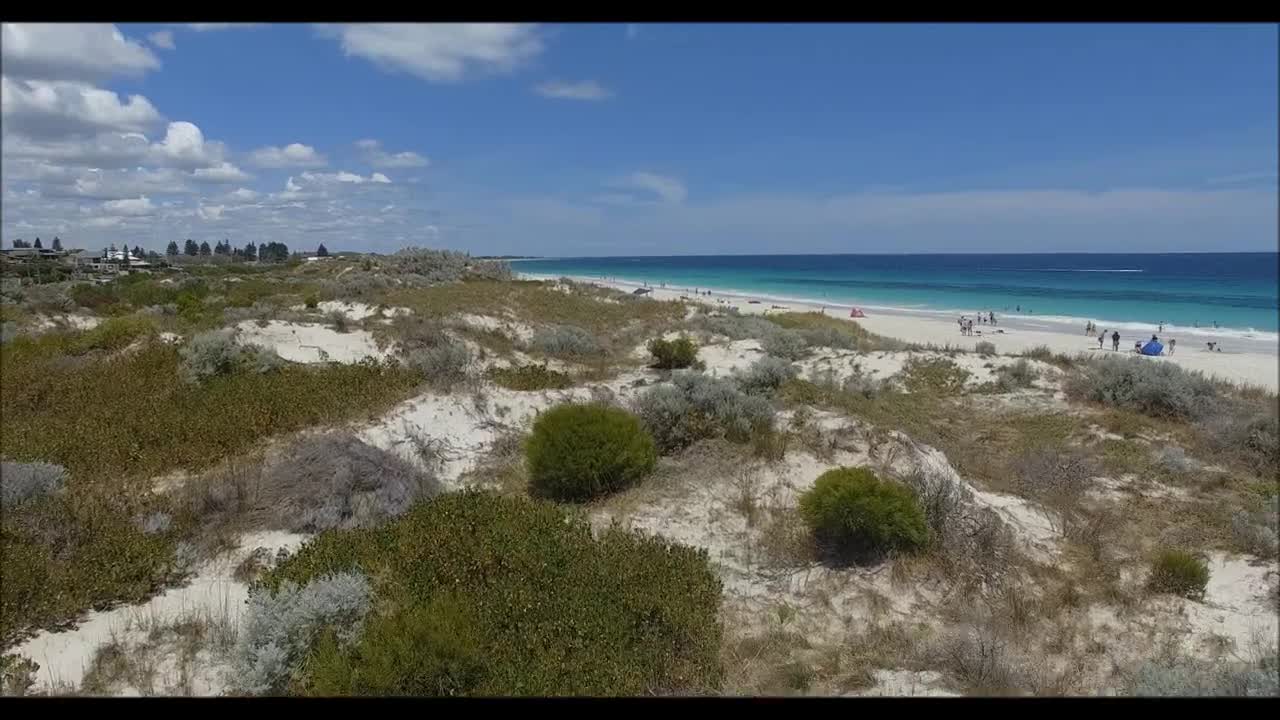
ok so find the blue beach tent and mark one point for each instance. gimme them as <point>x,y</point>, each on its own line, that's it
<point>1152,348</point>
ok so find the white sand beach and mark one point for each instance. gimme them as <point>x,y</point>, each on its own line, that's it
<point>1241,362</point>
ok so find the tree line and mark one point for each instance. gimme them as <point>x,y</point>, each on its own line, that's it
<point>268,252</point>
<point>20,243</point>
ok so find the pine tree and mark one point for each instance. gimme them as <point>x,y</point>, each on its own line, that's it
<point>322,251</point>
<point>250,251</point>
<point>57,243</point>
<point>204,248</point>
<point>191,248</point>
<point>172,249</point>
<point>20,243</point>
<point>38,246</point>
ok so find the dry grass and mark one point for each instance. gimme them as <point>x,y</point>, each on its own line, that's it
<point>155,656</point>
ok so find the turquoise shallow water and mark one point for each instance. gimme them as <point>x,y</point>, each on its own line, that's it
<point>1238,291</point>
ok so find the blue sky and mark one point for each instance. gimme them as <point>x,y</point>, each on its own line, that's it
<point>645,139</point>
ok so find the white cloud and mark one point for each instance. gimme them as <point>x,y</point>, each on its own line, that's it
<point>291,155</point>
<point>134,207</point>
<point>660,187</point>
<point>112,184</point>
<point>338,177</point>
<point>208,27</point>
<point>162,39</point>
<point>40,109</point>
<point>585,90</point>
<point>223,173</point>
<point>243,195</point>
<point>377,157</point>
<point>106,150</point>
<point>184,146</point>
<point>210,212</point>
<point>103,222</point>
<point>439,52</point>
<point>71,51</point>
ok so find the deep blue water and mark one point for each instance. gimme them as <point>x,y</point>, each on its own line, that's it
<point>1237,290</point>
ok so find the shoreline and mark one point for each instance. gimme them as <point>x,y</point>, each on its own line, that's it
<point>1011,335</point>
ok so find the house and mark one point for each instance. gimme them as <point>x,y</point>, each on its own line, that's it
<point>317,258</point>
<point>26,254</point>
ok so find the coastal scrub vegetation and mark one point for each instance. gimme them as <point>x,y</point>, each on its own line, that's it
<point>855,515</point>
<point>673,354</point>
<point>529,378</point>
<point>579,452</point>
<point>694,407</point>
<point>597,616</point>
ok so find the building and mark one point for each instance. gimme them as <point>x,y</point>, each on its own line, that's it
<point>28,254</point>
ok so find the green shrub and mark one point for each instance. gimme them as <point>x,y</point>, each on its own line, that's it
<point>87,418</point>
<point>1179,572</point>
<point>673,354</point>
<point>577,452</point>
<point>112,334</point>
<point>568,341</point>
<point>312,301</point>
<point>529,377</point>
<point>1158,389</point>
<point>984,347</point>
<point>422,651</point>
<point>695,407</point>
<point>1020,374</point>
<point>490,595</point>
<point>938,376</point>
<point>855,515</point>
<point>65,553</point>
<point>765,375</point>
<point>786,344</point>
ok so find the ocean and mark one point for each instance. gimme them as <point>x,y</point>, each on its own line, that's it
<point>1184,291</point>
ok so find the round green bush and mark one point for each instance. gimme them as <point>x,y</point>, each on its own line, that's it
<point>673,354</point>
<point>1179,572</point>
<point>483,595</point>
<point>578,452</point>
<point>856,516</point>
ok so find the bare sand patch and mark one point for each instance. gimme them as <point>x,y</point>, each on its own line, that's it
<point>311,343</point>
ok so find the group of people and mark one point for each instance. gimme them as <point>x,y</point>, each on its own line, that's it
<point>966,322</point>
<point>1138,345</point>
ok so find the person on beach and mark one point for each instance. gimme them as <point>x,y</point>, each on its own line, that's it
<point>993,318</point>
<point>1018,308</point>
<point>1137,346</point>
<point>1161,329</point>
<point>1101,336</point>
<point>1115,341</point>
<point>1172,344</point>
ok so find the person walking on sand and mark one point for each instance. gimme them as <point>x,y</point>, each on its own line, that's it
<point>1101,336</point>
<point>1115,341</point>
<point>1172,344</point>
<point>1161,326</point>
